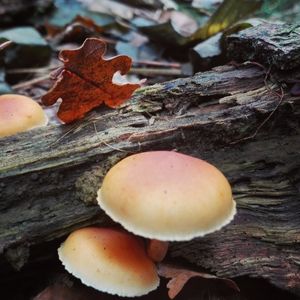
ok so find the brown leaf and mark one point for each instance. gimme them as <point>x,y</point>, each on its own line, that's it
<point>86,81</point>
<point>79,27</point>
<point>179,277</point>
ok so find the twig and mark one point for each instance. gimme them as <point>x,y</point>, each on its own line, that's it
<point>157,63</point>
<point>64,135</point>
<point>32,70</point>
<point>281,95</point>
<point>115,148</point>
<point>155,72</point>
<point>5,44</point>
<point>174,71</point>
<point>30,82</point>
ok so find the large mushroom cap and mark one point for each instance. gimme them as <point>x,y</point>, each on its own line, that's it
<point>167,196</point>
<point>19,113</point>
<point>109,260</point>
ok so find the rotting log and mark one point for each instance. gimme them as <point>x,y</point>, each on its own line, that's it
<point>228,116</point>
<point>275,45</point>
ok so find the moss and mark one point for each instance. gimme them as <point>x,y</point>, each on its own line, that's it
<point>149,90</point>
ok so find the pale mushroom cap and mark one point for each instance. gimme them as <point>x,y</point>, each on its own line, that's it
<point>167,196</point>
<point>19,113</point>
<point>109,260</point>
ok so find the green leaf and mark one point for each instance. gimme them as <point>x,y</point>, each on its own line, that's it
<point>229,12</point>
<point>66,11</point>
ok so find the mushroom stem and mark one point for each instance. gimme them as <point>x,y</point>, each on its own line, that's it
<point>157,249</point>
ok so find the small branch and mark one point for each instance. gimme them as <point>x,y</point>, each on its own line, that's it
<point>155,72</point>
<point>281,95</point>
<point>31,70</point>
<point>157,63</point>
<point>30,82</point>
<point>5,45</point>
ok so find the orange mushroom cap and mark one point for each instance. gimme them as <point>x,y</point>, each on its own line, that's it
<point>167,196</point>
<point>109,260</point>
<point>19,113</point>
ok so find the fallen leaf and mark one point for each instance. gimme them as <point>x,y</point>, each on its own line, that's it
<point>229,12</point>
<point>28,49</point>
<point>85,82</point>
<point>207,5</point>
<point>110,7</point>
<point>208,54</point>
<point>65,12</point>
<point>179,277</point>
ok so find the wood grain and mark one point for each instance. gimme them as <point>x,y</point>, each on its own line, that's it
<point>49,177</point>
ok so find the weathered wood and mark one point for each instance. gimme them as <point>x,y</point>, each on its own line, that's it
<point>276,45</point>
<point>49,176</point>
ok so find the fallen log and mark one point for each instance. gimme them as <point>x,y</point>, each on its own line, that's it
<point>230,116</point>
<point>241,118</point>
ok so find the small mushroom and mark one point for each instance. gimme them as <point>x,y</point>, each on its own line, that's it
<point>19,113</point>
<point>167,196</point>
<point>109,260</point>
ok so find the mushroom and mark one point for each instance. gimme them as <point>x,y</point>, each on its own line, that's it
<point>109,260</point>
<point>19,113</point>
<point>167,196</point>
<point>156,249</point>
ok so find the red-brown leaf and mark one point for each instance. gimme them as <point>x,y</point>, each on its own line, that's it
<point>179,277</point>
<point>86,81</point>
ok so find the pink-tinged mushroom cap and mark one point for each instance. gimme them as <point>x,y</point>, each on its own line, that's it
<point>19,113</point>
<point>167,196</point>
<point>109,260</point>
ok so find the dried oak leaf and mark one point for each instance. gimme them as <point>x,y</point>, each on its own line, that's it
<point>85,81</point>
<point>179,277</point>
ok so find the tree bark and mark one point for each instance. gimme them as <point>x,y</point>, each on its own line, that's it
<point>230,116</point>
<point>275,45</point>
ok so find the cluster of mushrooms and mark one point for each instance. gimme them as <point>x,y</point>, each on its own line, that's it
<point>158,195</point>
